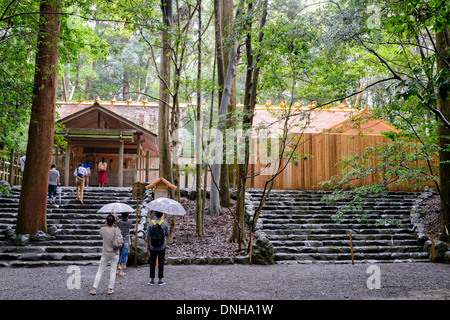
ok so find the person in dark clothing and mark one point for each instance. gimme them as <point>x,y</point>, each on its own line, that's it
<point>157,250</point>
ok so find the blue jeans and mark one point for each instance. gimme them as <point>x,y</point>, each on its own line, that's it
<point>124,253</point>
<point>52,190</point>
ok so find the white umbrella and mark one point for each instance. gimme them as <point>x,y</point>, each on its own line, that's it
<point>115,207</point>
<point>167,205</point>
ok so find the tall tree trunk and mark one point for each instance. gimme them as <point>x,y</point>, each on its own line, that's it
<point>443,47</point>
<point>223,14</point>
<point>211,112</point>
<point>32,213</point>
<point>126,86</point>
<point>226,25</point>
<point>87,91</point>
<point>214,207</point>
<point>125,74</point>
<point>147,76</point>
<point>219,46</point>
<point>77,80</point>
<point>250,95</point>
<point>165,162</point>
<point>198,171</point>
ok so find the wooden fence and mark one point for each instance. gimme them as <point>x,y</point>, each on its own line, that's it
<point>10,169</point>
<point>326,150</point>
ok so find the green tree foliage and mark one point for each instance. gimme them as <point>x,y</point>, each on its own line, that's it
<point>399,38</point>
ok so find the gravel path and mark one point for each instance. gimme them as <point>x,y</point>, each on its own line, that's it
<point>241,282</point>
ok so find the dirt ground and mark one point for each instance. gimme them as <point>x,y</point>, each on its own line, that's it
<point>214,243</point>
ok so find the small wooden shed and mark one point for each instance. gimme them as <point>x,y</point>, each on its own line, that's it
<point>161,187</point>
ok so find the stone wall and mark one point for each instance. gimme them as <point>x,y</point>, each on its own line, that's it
<point>441,251</point>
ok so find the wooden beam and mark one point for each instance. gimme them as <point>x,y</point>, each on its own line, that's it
<point>120,173</point>
<point>67,165</point>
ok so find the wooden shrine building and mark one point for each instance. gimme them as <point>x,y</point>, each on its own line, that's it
<point>94,132</point>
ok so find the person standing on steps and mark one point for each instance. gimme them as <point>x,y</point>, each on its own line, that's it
<point>80,174</point>
<point>88,166</point>
<point>53,182</point>
<point>109,255</point>
<point>157,232</point>
<point>102,178</point>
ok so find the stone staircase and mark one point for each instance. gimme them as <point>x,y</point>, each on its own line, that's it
<point>302,229</point>
<point>76,239</point>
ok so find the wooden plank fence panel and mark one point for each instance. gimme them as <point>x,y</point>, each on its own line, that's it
<point>326,150</point>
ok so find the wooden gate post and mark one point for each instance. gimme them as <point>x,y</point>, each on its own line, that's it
<point>11,169</point>
<point>351,248</point>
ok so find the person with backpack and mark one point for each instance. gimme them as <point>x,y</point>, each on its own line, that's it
<point>102,178</point>
<point>80,173</point>
<point>157,231</point>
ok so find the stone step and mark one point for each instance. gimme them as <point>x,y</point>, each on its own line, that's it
<point>296,200</point>
<point>346,257</point>
<point>75,237</point>
<point>299,231</point>
<point>48,263</point>
<point>347,249</point>
<point>98,242</point>
<point>53,247</point>
<point>342,236</point>
<point>332,212</point>
<point>321,207</point>
<point>321,198</point>
<point>15,192</point>
<point>313,219</point>
<point>302,227</point>
<point>77,240</point>
<point>343,243</point>
<point>88,232</point>
<point>320,192</point>
<point>94,206</point>
<point>49,256</point>
<point>86,222</point>
<point>336,226</point>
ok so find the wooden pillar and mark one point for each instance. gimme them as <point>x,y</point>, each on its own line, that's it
<point>120,173</point>
<point>57,157</point>
<point>147,165</point>
<point>67,165</point>
<point>11,169</point>
<point>3,169</point>
<point>138,160</point>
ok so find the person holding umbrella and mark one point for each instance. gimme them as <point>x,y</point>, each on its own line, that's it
<point>160,206</point>
<point>157,232</point>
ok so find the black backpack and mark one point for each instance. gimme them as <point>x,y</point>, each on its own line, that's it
<point>157,234</point>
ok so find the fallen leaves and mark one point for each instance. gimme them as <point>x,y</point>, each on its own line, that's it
<point>213,243</point>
